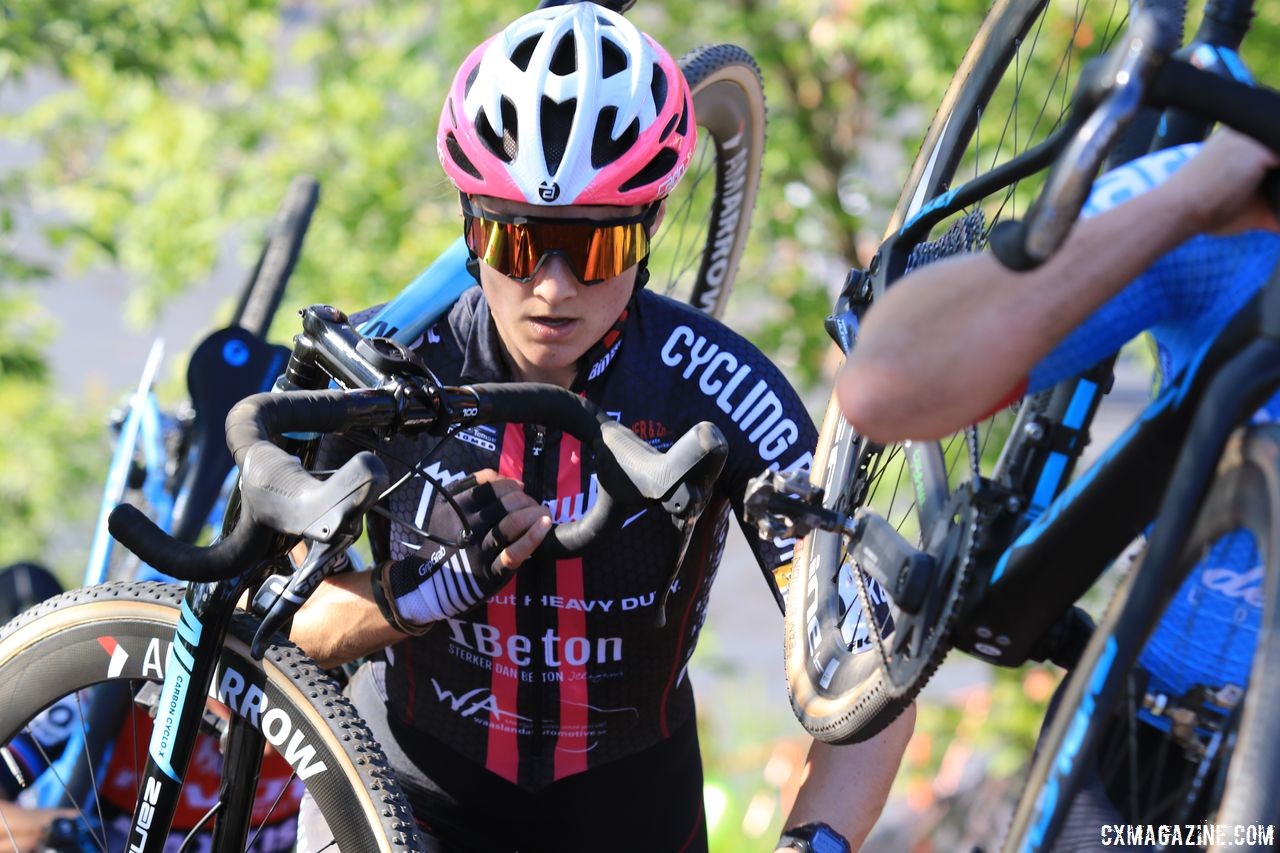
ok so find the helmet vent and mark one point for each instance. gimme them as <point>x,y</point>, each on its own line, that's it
<point>671,124</point>
<point>683,127</point>
<point>523,53</point>
<point>614,61</point>
<point>565,59</point>
<point>659,87</point>
<point>604,148</point>
<point>503,147</point>
<point>460,157</point>
<point>661,165</point>
<point>557,121</point>
<point>471,78</point>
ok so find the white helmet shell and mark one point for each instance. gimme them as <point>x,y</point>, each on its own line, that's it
<point>568,105</point>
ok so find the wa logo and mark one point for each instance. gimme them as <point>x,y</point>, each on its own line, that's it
<point>474,701</point>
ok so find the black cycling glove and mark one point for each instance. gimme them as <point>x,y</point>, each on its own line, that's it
<point>415,592</point>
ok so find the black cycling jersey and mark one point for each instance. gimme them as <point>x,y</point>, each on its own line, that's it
<point>566,669</point>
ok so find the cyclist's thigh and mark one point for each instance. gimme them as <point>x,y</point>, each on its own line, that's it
<point>460,807</point>
<point>649,801</point>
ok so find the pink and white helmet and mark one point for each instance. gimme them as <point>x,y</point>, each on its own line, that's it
<point>568,105</point>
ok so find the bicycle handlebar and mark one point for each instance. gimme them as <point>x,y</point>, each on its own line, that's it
<point>279,495</point>
<point>1137,74</point>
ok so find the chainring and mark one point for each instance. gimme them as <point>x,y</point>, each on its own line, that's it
<point>918,643</point>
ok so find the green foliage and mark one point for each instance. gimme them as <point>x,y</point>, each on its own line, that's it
<point>1001,720</point>
<point>48,460</point>
<point>179,129</point>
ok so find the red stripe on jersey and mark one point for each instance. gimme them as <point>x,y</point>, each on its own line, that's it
<point>693,833</point>
<point>503,756</point>
<point>571,745</point>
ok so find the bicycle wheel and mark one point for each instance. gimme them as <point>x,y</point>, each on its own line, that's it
<point>1197,742</point>
<point>851,674</point>
<point>265,288</point>
<point>119,633</point>
<point>696,252</point>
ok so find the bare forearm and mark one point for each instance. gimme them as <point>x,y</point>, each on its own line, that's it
<point>846,787</point>
<point>341,622</point>
<point>947,343</point>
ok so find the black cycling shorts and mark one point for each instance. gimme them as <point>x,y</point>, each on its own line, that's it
<point>650,801</point>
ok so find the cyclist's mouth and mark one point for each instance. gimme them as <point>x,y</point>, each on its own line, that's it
<point>552,328</point>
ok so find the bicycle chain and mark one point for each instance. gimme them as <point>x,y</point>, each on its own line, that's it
<point>967,234</point>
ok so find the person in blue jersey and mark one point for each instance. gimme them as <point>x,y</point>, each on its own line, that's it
<point>1174,243</point>
<point>538,704</point>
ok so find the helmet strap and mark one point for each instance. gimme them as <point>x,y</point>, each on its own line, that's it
<point>642,275</point>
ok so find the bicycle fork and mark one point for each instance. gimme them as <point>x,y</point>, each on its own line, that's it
<point>190,667</point>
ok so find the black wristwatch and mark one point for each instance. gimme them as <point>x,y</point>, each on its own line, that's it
<point>813,838</point>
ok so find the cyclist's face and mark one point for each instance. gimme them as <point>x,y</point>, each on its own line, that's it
<point>550,322</point>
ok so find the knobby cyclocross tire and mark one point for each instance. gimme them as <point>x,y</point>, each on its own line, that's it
<point>61,647</point>
<point>844,686</point>
<point>699,245</point>
<point>1245,495</point>
<point>265,288</point>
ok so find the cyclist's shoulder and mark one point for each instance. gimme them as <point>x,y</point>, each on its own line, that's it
<point>710,372</point>
<point>677,330</point>
<point>1136,177</point>
<point>459,317</point>
<point>658,310</point>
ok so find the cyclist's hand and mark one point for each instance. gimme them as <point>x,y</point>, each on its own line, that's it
<point>507,526</point>
<point>1219,186</point>
<point>23,829</point>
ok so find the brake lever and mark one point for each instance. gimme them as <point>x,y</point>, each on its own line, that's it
<point>280,597</point>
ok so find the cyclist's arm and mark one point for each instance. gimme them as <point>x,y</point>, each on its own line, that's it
<point>953,340</point>
<point>846,787</point>
<point>341,622</point>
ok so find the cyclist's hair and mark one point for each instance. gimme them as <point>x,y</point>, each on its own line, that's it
<point>568,105</point>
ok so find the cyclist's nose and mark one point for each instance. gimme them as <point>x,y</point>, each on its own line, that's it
<point>555,282</point>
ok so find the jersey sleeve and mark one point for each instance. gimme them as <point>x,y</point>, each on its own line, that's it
<point>1184,298</point>
<point>762,417</point>
<point>1147,300</point>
